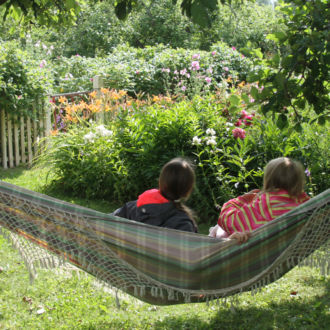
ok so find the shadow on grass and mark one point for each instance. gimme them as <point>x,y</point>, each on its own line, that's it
<point>12,173</point>
<point>294,314</point>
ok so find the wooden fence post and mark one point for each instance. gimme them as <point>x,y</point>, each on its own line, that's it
<point>16,142</point>
<point>3,140</point>
<point>22,131</point>
<point>97,85</point>
<point>10,142</point>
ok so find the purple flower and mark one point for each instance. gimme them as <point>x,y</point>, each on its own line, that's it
<point>196,56</point>
<point>307,172</point>
<point>213,53</point>
<point>183,88</point>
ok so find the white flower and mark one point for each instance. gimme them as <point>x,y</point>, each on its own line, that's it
<point>103,131</point>
<point>210,131</point>
<point>236,184</point>
<point>211,141</point>
<point>229,124</point>
<point>90,137</point>
<point>196,141</point>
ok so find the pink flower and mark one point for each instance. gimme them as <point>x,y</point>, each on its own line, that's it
<point>42,63</point>
<point>238,133</point>
<point>242,56</point>
<point>166,70</point>
<point>137,72</point>
<point>183,88</point>
<point>195,65</point>
<point>213,53</point>
<point>196,56</point>
<point>248,120</point>
<point>183,72</point>
<point>188,75</point>
<point>19,97</point>
<point>238,123</point>
<point>244,114</point>
<point>208,80</point>
<point>233,48</point>
<point>91,79</point>
<point>226,68</point>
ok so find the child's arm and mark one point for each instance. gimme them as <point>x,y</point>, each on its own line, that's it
<point>236,214</point>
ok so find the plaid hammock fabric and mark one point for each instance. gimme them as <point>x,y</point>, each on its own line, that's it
<point>159,265</point>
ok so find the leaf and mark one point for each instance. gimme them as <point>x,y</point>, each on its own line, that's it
<point>282,121</point>
<point>199,14</point>
<point>120,9</point>
<point>254,92</point>
<point>234,100</point>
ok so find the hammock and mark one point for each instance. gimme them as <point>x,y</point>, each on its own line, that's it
<point>159,265</point>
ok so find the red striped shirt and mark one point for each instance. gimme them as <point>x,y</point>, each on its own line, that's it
<point>239,215</point>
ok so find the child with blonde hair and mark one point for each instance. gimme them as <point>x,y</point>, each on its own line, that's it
<point>282,191</point>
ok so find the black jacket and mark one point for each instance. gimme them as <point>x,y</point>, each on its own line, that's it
<point>154,209</point>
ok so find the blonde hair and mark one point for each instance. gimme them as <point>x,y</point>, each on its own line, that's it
<point>284,173</point>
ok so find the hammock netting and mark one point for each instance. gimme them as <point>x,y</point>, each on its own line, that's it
<point>158,265</point>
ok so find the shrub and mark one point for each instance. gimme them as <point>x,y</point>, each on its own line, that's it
<point>228,145</point>
<point>22,79</point>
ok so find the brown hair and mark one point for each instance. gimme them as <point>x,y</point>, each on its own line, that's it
<point>176,182</point>
<point>284,173</point>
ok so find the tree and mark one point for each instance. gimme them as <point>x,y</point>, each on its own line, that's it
<point>298,78</point>
<point>45,12</point>
<point>295,79</point>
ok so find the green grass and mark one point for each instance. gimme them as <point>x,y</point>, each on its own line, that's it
<point>36,179</point>
<point>66,300</point>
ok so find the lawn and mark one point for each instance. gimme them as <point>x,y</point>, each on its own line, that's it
<point>64,299</point>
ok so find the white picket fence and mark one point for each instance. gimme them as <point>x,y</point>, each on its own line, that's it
<point>20,136</point>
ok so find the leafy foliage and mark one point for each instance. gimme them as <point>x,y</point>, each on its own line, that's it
<point>46,12</point>
<point>228,145</point>
<point>22,80</point>
<point>300,76</point>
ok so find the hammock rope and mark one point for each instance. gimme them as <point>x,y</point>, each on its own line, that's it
<point>159,265</point>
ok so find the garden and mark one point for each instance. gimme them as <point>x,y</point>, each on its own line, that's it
<point>229,87</point>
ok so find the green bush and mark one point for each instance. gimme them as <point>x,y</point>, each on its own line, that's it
<point>22,79</point>
<point>160,70</point>
<point>122,165</point>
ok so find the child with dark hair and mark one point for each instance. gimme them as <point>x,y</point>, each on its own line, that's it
<point>282,191</point>
<point>164,207</point>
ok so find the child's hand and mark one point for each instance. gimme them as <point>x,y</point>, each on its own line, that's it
<point>241,237</point>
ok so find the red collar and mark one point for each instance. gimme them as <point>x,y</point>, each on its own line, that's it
<point>152,196</point>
